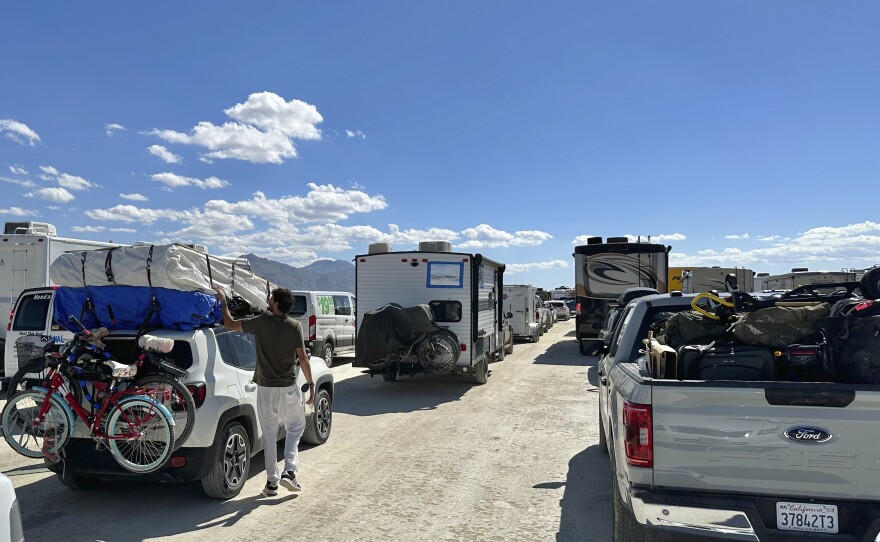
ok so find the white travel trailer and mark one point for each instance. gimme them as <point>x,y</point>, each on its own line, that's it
<point>705,279</point>
<point>802,276</point>
<point>522,312</point>
<point>27,249</point>
<point>463,292</point>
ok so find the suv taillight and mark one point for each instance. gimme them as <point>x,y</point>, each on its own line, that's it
<point>199,392</point>
<point>313,328</point>
<point>11,316</point>
<point>638,440</point>
<point>577,309</point>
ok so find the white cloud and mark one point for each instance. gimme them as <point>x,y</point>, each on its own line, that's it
<point>487,236</point>
<point>21,182</point>
<point>134,197</point>
<point>56,194</point>
<point>264,132</point>
<point>737,236</point>
<point>130,213</point>
<point>355,133</point>
<point>124,230</point>
<point>769,238</point>
<point>172,180</point>
<point>581,239</point>
<point>18,132</point>
<point>18,170</point>
<point>88,229</point>
<point>163,153</point>
<point>65,180</point>
<point>113,127</point>
<point>826,248</point>
<point>16,211</point>
<point>521,267</point>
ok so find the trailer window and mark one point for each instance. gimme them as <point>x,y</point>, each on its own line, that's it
<point>446,311</point>
<point>445,275</point>
<point>31,312</point>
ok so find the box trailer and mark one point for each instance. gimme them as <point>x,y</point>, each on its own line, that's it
<point>521,311</point>
<point>451,298</point>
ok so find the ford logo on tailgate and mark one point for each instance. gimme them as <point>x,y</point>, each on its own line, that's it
<point>810,435</point>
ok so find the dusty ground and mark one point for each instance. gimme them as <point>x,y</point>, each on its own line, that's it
<point>418,459</point>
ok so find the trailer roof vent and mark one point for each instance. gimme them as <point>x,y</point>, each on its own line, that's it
<point>763,275</point>
<point>11,228</point>
<point>435,246</point>
<point>379,248</point>
<point>618,240</point>
<point>594,240</point>
<point>799,269</point>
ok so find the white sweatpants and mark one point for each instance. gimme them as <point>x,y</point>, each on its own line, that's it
<point>281,406</point>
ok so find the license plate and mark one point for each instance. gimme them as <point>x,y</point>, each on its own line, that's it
<point>815,518</point>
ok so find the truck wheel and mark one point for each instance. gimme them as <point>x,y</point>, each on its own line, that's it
<point>389,374</point>
<point>318,424</point>
<point>229,469</point>
<point>78,482</point>
<point>624,526</point>
<point>481,372</point>
<point>327,354</point>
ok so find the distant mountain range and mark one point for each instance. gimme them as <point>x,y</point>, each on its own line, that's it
<point>326,275</point>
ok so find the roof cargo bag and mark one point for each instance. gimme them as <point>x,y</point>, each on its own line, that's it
<point>172,267</point>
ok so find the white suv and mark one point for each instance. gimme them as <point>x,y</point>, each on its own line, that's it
<point>220,366</point>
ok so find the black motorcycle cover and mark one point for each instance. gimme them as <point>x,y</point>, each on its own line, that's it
<point>387,330</point>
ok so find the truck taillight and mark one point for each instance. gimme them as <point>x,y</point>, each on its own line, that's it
<point>577,309</point>
<point>313,328</point>
<point>638,438</point>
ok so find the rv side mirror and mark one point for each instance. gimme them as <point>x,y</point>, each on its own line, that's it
<point>591,347</point>
<point>508,315</point>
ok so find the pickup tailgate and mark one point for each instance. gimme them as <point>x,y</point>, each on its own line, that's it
<point>796,440</point>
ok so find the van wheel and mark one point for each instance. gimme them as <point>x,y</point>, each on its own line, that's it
<point>328,354</point>
<point>78,482</point>
<point>319,423</point>
<point>481,372</point>
<point>229,469</point>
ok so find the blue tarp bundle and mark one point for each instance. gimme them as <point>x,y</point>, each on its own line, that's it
<point>126,307</point>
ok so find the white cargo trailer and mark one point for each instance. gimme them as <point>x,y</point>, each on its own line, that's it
<point>27,249</point>
<point>801,276</point>
<point>522,312</point>
<point>463,291</point>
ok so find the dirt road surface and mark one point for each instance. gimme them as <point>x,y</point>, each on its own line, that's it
<point>421,459</point>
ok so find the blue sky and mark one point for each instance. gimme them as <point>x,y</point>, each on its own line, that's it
<point>740,133</point>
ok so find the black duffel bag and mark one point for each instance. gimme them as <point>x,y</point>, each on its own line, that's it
<point>857,351</point>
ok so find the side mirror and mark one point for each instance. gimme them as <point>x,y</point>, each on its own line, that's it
<point>591,347</point>
<point>508,315</point>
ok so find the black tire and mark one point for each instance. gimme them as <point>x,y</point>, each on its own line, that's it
<point>603,444</point>
<point>318,425</point>
<point>500,353</point>
<point>624,526</point>
<point>32,373</point>
<point>179,402</point>
<point>389,374</point>
<point>870,284</point>
<point>327,353</point>
<point>481,372</point>
<point>229,466</point>
<point>78,482</point>
<point>508,348</point>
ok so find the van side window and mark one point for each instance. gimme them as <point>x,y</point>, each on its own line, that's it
<point>343,305</point>
<point>300,306</point>
<point>31,313</point>
<point>446,311</point>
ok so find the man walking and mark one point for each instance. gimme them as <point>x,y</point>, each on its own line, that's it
<point>279,343</point>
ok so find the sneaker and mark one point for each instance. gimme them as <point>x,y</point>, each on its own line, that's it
<point>271,489</point>
<point>288,480</point>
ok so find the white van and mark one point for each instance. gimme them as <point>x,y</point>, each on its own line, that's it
<point>522,311</point>
<point>328,320</point>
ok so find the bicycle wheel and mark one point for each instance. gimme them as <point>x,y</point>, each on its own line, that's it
<point>28,375</point>
<point>174,396</point>
<point>148,434</point>
<point>31,438</point>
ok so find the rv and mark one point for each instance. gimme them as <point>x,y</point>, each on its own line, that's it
<point>603,271</point>
<point>462,291</point>
<point>802,276</point>
<point>675,277</point>
<point>522,312</point>
<point>26,251</point>
<point>706,279</point>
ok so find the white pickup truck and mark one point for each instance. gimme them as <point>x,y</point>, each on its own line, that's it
<point>733,460</point>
